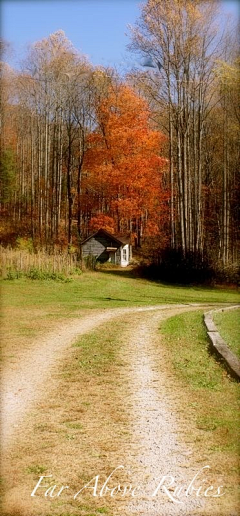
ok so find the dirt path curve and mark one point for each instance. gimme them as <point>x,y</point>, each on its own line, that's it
<point>156,448</point>
<point>26,382</point>
<point>29,378</point>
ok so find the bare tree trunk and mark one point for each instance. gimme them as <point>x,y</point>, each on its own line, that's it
<point>32,181</point>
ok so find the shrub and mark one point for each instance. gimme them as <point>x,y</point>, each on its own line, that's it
<point>90,262</point>
<point>229,274</point>
<point>25,244</point>
<point>172,266</point>
<point>13,274</point>
<point>36,274</point>
<point>175,267</point>
<point>76,271</point>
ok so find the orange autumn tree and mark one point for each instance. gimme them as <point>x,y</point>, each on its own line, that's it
<point>123,166</point>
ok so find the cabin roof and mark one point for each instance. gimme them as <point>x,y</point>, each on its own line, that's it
<point>120,240</point>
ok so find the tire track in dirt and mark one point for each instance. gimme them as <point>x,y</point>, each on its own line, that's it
<point>155,450</point>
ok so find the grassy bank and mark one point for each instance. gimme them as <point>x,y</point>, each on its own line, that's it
<point>228,324</point>
<point>210,396</point>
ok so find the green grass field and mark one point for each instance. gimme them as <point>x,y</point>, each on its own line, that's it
<point>105,290</point>
<point>34,307</point>
<point>210,395</point>
<point>228,325</point>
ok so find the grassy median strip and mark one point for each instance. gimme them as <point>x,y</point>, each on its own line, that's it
<point>228,325</point>
<point>210,396</point>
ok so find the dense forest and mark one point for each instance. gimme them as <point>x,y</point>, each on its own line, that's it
<point>153,154</point>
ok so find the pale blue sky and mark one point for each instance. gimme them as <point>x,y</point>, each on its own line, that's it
<point>97,28</point>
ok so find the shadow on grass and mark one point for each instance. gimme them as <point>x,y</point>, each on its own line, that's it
<point>123,272</point>
<point>109,299</point>
<point>132,273</point>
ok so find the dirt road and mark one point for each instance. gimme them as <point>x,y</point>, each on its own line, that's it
<point>155,450</point>
<point>26,382</point>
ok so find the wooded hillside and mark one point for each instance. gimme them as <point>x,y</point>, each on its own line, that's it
<point>154,154</point>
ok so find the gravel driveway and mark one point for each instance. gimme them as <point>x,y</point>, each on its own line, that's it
<point>155,451</point>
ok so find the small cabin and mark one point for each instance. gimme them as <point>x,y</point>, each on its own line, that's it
<point>106,247</point>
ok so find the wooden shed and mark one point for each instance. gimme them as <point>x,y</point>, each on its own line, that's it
<point>106,247</point>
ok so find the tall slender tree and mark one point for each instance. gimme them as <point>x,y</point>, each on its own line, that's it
<point>182,40</point>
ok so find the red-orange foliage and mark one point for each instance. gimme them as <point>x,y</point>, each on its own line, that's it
<point>102,221</point>
<point>123,161</point>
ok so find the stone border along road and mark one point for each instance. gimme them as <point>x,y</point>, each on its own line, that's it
<point>219,346</point>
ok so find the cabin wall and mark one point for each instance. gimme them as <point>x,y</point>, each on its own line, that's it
<point>118,256</point>
<point>96,246</point>
<point>125,255</point>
